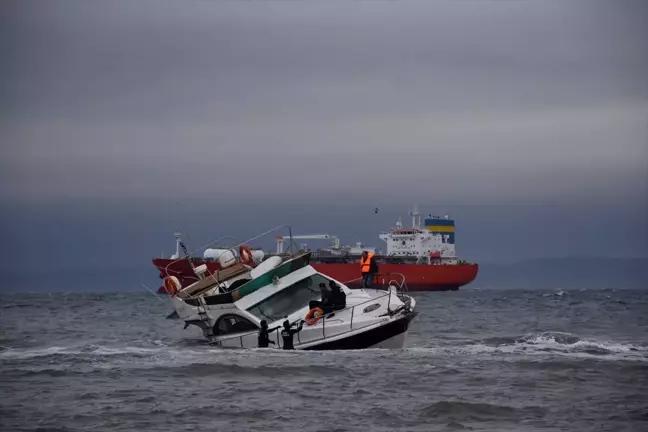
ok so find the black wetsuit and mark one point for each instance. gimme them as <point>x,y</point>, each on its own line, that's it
<point>263,339</point>
<point>287,336</point>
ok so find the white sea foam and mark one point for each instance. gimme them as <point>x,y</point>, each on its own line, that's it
<point>543,344</point>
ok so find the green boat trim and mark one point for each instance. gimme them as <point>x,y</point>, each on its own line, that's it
<point>254,285</point>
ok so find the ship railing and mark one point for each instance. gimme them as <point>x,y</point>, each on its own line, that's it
<point>385,280</point>
<point>276,332</point>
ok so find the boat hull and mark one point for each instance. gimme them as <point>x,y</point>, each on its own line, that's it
<point>419,277</point>
<point>392,335</point>
<point>388,336</point>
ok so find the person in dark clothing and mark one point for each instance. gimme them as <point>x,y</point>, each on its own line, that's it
<point>264,337</point>
<point>337,297</point>
<point>287,334</point>
<point>325,294</point>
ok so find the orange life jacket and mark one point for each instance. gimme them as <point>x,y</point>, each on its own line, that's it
<point>365,264</point>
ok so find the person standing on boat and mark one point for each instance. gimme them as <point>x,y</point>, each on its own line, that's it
<point>264,337</point>
<point>368,268</point>
<point>287,334</point>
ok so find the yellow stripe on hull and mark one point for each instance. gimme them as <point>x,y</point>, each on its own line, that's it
<point>445,229</point>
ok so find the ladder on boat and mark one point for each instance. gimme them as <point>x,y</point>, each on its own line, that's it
<point>208,331</point>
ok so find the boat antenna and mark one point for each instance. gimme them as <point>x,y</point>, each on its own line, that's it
<point>291,239</point>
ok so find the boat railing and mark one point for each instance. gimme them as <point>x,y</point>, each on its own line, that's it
<point>353,308</point>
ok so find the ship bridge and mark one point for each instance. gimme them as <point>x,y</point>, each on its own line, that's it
<point>433,241</point>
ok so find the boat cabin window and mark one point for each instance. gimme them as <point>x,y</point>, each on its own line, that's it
<point>233,324</point>
<point>289,299</point>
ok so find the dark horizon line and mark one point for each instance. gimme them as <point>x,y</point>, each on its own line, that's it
<point>480,263</point>
<point>464,288</point>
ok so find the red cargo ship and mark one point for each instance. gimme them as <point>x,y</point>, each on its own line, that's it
<point>424,254</point>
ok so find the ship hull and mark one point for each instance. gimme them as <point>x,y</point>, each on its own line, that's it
<point>419,277</point>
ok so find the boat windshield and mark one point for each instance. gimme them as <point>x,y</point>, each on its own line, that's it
<point>289,299</point>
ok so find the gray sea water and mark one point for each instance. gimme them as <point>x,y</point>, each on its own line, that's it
<point>475,360</point>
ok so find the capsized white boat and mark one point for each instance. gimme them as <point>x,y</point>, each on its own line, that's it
<point>229,306</point>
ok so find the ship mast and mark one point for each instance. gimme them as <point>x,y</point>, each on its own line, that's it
<point>180,244</point>
<point>176,255</point>
<point>416,217</point>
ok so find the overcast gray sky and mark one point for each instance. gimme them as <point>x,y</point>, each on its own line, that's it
<point>463,99</point>
<point>444,103</point>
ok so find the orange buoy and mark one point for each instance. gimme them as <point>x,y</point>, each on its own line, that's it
<point>314,315</point>
<point>246,255</point>
<point>172,285</point>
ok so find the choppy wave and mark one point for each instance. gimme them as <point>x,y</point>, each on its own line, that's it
<point>547,343</point>
<point>477,412</point>
<point>9,353</point>
<point>468,365</point>
<point>203,360</point>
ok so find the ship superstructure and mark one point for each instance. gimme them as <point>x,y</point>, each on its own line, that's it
<point>433,242</point>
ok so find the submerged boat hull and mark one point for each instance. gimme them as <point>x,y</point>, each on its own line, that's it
<point>389,335</point>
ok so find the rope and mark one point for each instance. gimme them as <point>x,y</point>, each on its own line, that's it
<point>154,294</point>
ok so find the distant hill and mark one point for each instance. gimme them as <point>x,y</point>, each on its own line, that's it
<point>566,273</point>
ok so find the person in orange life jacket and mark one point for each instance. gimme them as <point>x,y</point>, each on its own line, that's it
<point>368,268</point>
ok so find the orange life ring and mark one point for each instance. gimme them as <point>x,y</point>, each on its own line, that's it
<point>314,315</point>
<point>246,255</point>
<point>172,285</point>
